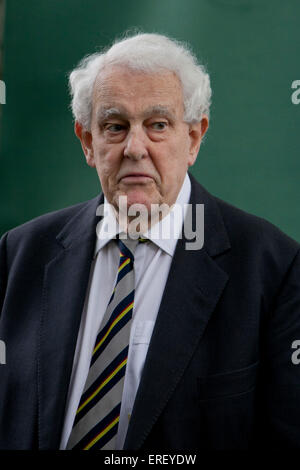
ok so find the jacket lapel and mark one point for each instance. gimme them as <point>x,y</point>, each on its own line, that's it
<point>194,286</point>
<point>65,282</point>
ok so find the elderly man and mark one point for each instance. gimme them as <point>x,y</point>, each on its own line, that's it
<point>119,339</point>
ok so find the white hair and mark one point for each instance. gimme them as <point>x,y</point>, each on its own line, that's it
<point>150,53</point>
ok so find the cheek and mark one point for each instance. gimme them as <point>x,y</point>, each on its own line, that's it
<point>107,160</point>
<point>177,157</point>
<point>182,155</point>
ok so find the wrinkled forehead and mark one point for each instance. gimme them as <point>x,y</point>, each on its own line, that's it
<point>122,87</point>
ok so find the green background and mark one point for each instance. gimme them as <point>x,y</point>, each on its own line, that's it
<point>251,49</point>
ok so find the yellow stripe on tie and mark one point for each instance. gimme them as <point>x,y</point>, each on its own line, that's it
<point>127,261</point>
<point>123,363</point>
<point>116,320</point>
<point>102,433</point>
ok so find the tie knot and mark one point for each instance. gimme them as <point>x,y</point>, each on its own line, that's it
<point>128,245</point>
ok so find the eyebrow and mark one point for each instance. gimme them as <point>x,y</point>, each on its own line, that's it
<point>120,112</point>
<point>160,110</point>
<point>105,113</point>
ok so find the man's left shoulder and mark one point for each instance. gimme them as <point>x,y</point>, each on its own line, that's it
<point>257,241</point>
<point>242,227</point>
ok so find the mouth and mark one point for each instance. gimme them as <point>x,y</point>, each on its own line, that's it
<point>136,178</point>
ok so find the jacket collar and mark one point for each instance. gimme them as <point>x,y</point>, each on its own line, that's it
<point>82,226</point>
<point>216,239</point>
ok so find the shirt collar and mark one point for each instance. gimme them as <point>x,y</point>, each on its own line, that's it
<point>164,234</point>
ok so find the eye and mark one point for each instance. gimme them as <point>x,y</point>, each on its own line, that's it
<point>114,128</point>
<point>159,126</point>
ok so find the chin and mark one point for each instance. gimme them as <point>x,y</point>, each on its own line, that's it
<point>140,197</point>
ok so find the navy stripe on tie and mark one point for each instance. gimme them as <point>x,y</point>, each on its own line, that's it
<point>124,271</point>
<point>109,369</point>
<point>123,304</point>
<point>99,428</point>
<point>124,250</point>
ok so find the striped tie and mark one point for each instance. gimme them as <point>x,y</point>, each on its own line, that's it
<point>97,417</point>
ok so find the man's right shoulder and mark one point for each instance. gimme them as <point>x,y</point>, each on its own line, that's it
<point>46,226</point>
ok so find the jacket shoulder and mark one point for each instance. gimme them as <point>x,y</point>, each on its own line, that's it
<point>36,233</point>
<point>245,229</point>
<point>51,221</point>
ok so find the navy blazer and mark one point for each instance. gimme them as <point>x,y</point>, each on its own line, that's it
<point>219,372</point>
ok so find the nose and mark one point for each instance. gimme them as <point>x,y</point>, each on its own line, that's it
<point>136,147</point>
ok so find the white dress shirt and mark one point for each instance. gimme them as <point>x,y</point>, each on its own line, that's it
<point>152,263</point>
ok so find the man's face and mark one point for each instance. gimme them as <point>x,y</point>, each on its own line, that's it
<point>138,142</point>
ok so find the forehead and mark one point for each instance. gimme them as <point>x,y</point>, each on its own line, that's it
<point>136,91</point>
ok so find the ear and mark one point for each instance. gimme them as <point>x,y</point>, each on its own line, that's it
<point>196,133</point>
<point>85,138</point>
